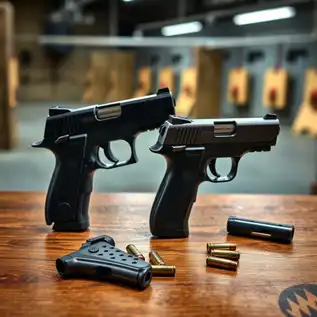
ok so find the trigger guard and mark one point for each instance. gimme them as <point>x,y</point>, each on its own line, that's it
<point>212,168</point>
<point>116,162</point>
<point>109,155</point>
<point>222,179</point>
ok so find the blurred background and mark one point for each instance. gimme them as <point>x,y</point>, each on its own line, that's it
<point>220,58</point>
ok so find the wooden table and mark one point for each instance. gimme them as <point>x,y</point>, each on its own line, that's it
<point>30,285</point>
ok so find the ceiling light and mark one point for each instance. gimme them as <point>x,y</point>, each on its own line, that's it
<point>182,28</point>
<point>264,16</point>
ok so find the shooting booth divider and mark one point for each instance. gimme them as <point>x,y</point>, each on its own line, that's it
<point>98,77</point>
<point>200,87</point>
<point>9,78</point>
<point>13,81</point>
<point>121,76</point>
<point>187,93</point>
<point>144,82</point>
<point>110,76</point>
<point>167,78</point>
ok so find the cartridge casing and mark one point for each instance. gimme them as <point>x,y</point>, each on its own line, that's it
<point>132,249</point>
<point>221,263</point>
<point>155,258</point>
<point>221,246</point>
<point>226,254</point>
<point>163,270</point>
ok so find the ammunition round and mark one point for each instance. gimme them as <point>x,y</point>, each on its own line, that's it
<point>163,270</point>
<point>223,246</point>
<point>132,249</point>
<point>221,263</point>
<point>226,254</point>
<point>155,258</point>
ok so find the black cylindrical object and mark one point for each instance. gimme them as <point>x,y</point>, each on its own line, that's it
<point>266,230</point>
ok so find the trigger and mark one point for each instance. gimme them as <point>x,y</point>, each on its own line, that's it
<point>108,153</point>
<point>212,167</point>
<point>131,142</point>
<point>234,166</point>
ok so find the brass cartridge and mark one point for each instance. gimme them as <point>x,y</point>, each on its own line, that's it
<point>221,263</point>
<point>221,246</point>
<point>163,270</point>
<point>132,249</point>
<point>226,254</point>
<point>155,258</point>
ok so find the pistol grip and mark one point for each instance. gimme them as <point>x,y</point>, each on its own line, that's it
<point>176,195</point>
<point>99,259</point>
<point>68,195</point>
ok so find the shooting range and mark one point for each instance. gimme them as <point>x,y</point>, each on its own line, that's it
<point>94,53</point>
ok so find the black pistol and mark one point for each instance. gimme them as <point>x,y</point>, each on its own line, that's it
<point>99,259</point>
<point>75,137</point>
<point>192,146</point>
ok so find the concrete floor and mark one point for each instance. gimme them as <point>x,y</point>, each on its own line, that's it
<point>288,169</point>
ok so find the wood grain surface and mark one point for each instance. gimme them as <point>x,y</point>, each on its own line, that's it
<point>30,285</point>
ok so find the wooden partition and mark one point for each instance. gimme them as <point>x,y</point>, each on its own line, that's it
<point>188,92</point>
<point>167,78</point>
<point>144,82</point>
<point>98,77</point>
<point>8,78</point>
<point>121,76</point>
<point>110,76</point>
<point>200,90</point>
<point>13,81</point>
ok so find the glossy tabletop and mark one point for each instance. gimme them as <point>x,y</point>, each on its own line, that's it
<point>266,276</point>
